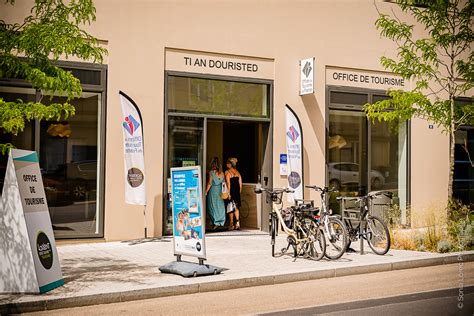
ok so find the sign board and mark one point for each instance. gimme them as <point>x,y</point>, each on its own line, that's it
<point>31,262</point>
<point>218,64</point>
<point>283,164</point>
<point>365,79</point>
<point>307,76</point>
<point>188,219</point>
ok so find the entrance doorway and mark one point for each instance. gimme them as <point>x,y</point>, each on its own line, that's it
<point>210,116</point>
<point>244,141</point>
<point>194,141</point>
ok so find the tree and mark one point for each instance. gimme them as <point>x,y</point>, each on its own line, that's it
<point>440,64</point>
<point>29,51</point>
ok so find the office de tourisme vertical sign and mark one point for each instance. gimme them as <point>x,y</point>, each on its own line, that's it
<point>30,260</point>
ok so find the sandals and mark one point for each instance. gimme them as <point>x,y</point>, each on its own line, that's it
<point>237,226</point>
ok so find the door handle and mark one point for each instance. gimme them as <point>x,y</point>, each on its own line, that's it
<point>265,179</point>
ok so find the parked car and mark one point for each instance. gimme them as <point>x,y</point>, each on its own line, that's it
<point>347,174</point>
<point>75,181</point>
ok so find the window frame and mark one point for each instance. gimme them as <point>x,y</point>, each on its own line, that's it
<point>358,108</point>
<point>100,89</point>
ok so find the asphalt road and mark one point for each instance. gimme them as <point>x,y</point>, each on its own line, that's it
<point>422,291</point>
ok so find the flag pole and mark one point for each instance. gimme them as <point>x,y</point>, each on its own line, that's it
<point>144,217</point>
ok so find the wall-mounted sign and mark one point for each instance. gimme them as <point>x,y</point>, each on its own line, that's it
<point>188,219</point>
<point>283,164</point>
<point>29,259</point>
<point>218,64</point>
<point>364,79</point>
<point>307,76</point>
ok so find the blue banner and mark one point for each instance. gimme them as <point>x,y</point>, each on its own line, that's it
<point>188,220</point>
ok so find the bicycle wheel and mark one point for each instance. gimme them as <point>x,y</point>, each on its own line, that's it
<point>377,235</point>
<point>244,209</point>
<point>315,247</point>
<point>336,238</point>
<point>273,228</point>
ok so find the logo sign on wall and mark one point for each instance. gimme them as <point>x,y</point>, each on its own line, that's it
<point>294,149</point>
<point>307,76</point>
<point>31,260</point>
<point>135,191</point>
<point>188,220</point>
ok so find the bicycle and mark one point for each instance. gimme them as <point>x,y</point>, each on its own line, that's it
<point>334,229</point>
<point>306,238</point>
<point>374,230</point>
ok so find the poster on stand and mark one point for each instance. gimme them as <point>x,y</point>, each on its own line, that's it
<point>294,149</point>
<point>30,262</point>
<point>188,219</point>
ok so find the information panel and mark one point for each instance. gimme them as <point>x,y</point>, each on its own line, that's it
<point>30,236</point>
<point>188,220</point>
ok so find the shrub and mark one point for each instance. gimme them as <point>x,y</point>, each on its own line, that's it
<point>460,227</point>
<point>444,246</point>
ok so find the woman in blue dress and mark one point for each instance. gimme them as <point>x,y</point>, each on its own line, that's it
<point>215,204</point>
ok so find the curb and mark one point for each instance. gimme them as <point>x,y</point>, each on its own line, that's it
<point>107,298</point>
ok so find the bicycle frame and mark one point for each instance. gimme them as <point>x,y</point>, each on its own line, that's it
<point>290,232</point>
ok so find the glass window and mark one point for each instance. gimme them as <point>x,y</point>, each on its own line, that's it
<point>69,164</point>
<point>348,98</point>
<point>347,149</point>
<point>463,182</point>
<point>218,97</point>
<point>389,161</point>
<point>185,148</point>
<point>365,156</point>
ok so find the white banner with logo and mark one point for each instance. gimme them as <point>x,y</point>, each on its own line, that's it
<point>307,76</point>
<point>29,259</point>
<point>132,127</point>
<point>294,149</point>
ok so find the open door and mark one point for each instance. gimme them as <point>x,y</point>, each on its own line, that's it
<point>266,174</point>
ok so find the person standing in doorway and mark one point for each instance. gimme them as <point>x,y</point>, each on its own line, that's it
<point>234,183</point>
<point>215,204</point>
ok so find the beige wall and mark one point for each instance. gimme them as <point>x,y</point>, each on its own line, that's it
<point>337,33</point>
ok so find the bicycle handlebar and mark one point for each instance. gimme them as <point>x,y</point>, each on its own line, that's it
<point>273,191</point>
<point>323,190</point>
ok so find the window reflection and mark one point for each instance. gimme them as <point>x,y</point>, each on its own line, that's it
<point>217,97</point>
<point>68,160</point>
<point>366,156</point>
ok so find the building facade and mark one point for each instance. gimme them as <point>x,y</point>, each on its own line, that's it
<point>212,79</point>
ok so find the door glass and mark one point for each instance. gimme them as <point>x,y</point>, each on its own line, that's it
<point>347,154</point>
<point>389,162</point>
<point>69,165</point>
<point>185,148</point>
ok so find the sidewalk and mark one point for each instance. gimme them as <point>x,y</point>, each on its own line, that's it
<point>97,273</point>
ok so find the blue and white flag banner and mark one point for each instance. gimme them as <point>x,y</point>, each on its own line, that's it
<point>132,127</point>
<point>294,149</point>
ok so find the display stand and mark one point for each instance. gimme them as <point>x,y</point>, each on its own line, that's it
<point>190,269</point>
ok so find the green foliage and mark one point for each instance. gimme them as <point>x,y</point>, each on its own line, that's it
<point>460,219</point>
<point>440,65</point>
<point>444,246</point>
<point>28,51</point>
